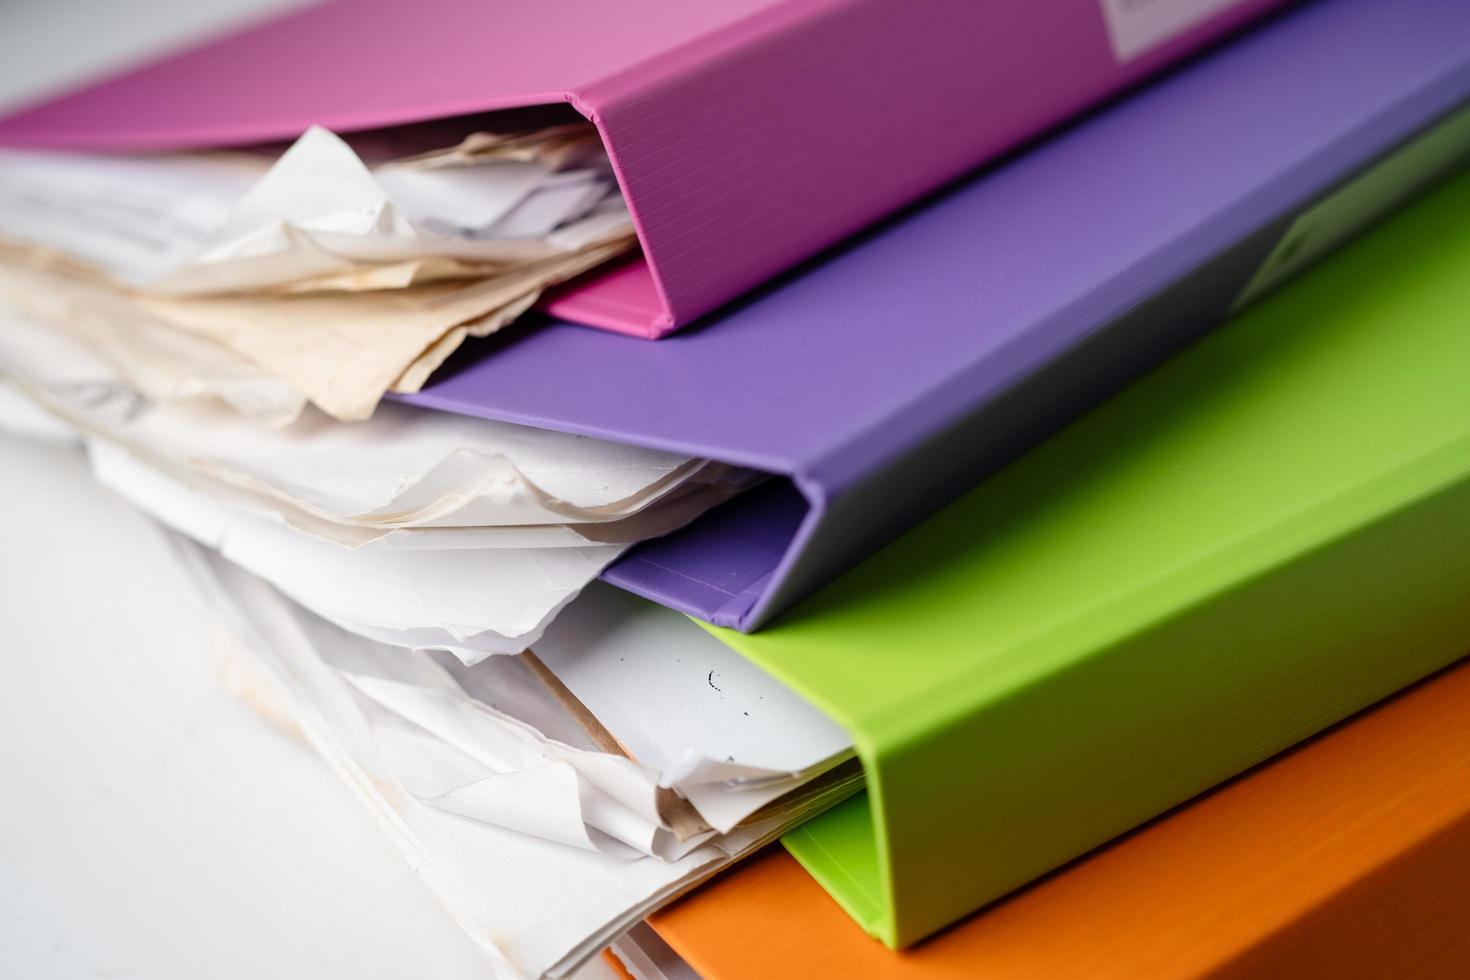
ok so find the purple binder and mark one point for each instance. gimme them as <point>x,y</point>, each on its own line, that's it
<point>879,383</point>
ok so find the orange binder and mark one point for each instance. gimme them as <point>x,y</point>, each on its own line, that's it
<point>1348,856</point>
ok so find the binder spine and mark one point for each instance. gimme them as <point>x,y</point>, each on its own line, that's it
<point>961,433</point>
<point>745,151</point>
<point>1213,678</point>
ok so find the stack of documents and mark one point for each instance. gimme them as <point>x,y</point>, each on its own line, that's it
<point>337,280</point>
<point>952,556</point>
<point>509,789</point>
<point>413,528</point>
<point>373,568</point>
<point>216,332</point>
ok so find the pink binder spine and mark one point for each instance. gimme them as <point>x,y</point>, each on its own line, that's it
<point>747,134</point>
<point>748,149</point>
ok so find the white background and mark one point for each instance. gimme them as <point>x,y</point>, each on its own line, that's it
<point>152,824</point>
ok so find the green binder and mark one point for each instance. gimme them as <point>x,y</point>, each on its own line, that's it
<point>1260,538</point>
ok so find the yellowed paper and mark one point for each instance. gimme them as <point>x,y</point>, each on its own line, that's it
<point>344,350</point>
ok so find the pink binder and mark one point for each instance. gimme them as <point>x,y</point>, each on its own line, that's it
<point>747,134</point>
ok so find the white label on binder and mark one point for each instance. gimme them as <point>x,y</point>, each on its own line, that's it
<point>1136,27</point>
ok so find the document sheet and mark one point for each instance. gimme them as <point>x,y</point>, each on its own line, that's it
<point>341,279</point>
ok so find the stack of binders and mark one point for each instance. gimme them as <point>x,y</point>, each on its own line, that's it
<point>1016,456</point>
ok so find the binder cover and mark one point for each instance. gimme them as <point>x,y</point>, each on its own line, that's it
<point>746,134</point>
<point>1344,858</point>
<point>887,380</point>
<point>1269,532</point>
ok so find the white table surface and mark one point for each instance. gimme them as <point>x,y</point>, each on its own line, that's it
<point>152,825</point>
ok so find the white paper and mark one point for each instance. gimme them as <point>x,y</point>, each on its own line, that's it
<point>462,738</point>
<point>630,667</point>
<point>252,492</point>
<point>197,224</point>
<point>461,197</point>
<point>470,602</point>
<point>135,217</point>
<point>163,363</point>
<point>404,468</point>
<point>566,197</point>
<point>465,786</point>
<point>656,679</point>
<point>538,908</point>
<point>704,720</point>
